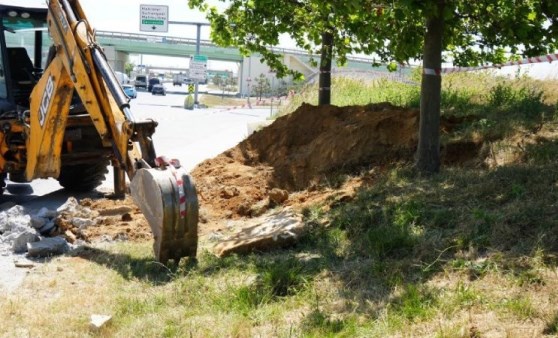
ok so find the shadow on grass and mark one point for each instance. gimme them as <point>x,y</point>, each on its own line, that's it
<point>406,229</point>
<point>145,269</point>
<point>411,227</point>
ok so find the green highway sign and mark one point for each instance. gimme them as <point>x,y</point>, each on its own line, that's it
<point>200,58</point>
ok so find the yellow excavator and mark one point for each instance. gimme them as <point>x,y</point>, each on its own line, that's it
<point>63,114</point>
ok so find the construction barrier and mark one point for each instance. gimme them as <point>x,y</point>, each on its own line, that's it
<point>538,59</point>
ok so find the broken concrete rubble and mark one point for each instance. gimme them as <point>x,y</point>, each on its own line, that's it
<point>74,209</point>
<point>24,263</point>
<point>98,321</point>
<point>83,223</point>
<point>14,218</point>
<point>21,231</point>
<point>47,213</point>
<point>46,247</point>
<point>19,244</point>
<point>15,228</point>
<point>73,221</point>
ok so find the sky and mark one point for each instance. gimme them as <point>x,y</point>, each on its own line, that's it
<point>123,16</point>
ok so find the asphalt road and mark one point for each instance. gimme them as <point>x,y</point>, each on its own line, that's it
<point>188,135</point>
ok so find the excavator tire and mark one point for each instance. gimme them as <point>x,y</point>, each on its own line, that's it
<point>83,177</point>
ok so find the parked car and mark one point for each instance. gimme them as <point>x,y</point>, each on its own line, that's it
<point>158,89</point>
<point>130,91</point>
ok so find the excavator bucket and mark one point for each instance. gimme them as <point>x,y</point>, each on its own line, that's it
<point>167,198</point>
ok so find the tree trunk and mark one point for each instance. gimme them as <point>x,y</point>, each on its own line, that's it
<point>324,96</point>
<point>428,152</point>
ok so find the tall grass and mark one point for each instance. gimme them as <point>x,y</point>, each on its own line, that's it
<point>347,91</point>
<point>462,94</point>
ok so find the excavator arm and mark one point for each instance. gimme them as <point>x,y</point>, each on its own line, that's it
<point>163,191</point>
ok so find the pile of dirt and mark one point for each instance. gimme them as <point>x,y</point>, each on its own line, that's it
<point>292,162</point>
<point>298,152</point>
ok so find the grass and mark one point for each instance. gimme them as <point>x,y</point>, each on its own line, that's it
<point>212,101</point>
<point>470,252</point>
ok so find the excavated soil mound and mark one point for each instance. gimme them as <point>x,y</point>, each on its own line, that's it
<point>298,151</point>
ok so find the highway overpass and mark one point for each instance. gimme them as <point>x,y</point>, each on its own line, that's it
<point>119,45</point>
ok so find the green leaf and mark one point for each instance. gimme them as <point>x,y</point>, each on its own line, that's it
<point>532,16</point>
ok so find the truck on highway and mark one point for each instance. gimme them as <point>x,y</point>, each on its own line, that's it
<point>179,79</point>
<point>153,81</point>
<point>141,81</point>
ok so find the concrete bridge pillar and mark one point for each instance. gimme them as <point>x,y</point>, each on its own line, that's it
<point>116,59</point>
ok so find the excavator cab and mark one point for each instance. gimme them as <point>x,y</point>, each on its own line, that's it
<point>24,43</point>
<point>63,114</point>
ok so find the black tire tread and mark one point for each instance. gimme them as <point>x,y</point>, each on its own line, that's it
<point>83,177</point>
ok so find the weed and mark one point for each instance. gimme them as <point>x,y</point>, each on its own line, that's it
<point>529,102</point>
<point>283,277</point>
<point>458,331</point>
<point>277,278</point>
<point>501,95</point>
<point>318,324</point>
<point>517,190</point>
<point>455,100</point>
<point>466,295</point>
<point>520,306</point>
<point>380,230</point>
<point>209,263</point>
<point>551,327</point>
<point>544,152</point>
<point>529,277</point>
<point>484,221</point>
<point>474,269</point>
<point>246,298</point>
<point>414,303</point>
<point>313,214</point>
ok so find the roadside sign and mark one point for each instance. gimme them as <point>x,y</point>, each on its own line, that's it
<point>154,18</point>
<point>198,67</point>
<point>200,58</point>
<point>190,88</point>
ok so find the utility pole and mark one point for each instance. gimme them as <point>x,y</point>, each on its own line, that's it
<point>249,80</point>
<point>198,41</point>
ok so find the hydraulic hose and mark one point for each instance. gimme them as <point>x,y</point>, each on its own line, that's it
<point>112,83</point>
